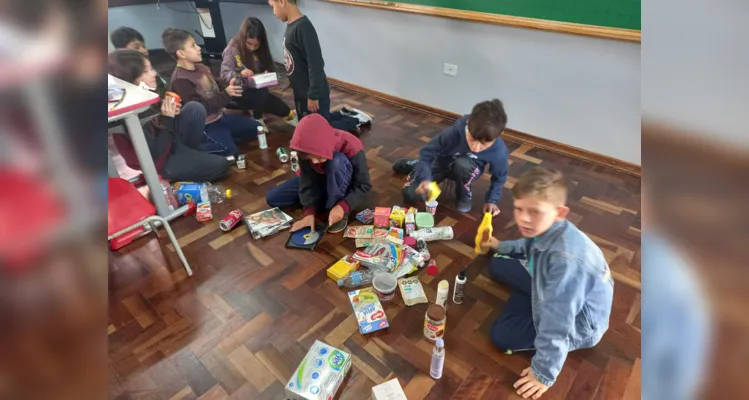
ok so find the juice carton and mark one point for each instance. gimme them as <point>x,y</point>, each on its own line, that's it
<point>188,191</point>
<point>320,374</point>
<point>368,310</point>
<point>397,215</point>
<point>342,267</point>
<point>203,212</point>
<point>410,223</point>
<point>382,217</point>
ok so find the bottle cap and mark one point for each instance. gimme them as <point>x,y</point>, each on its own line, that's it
<point>340,282</point>
<point>440,342</point>
<point>228,193</point>
<point>444,284</point>
<point>260,128</point>
<point>432,269</point>
<point>462,273</point>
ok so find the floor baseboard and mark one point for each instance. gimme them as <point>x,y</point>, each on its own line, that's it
<point>509,134</point>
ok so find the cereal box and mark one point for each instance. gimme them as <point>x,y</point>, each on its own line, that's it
<point>368,310</point>
<point>203,212</point>
<point>320,374</point>
<point>382,217</point>
<point>397,215</point>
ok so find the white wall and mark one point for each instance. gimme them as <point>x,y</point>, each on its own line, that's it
<point>151,22</point>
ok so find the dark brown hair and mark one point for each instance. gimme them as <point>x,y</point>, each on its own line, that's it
<point>548,184</point>
<point>123,36</point>
<point>174,40</point>
<point>252,28</point>
<point>487,121</point>
<point>126,64</point>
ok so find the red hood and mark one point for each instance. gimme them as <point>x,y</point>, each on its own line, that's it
<point>314,135</point>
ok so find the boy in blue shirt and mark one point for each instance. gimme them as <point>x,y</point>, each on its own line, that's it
<point>461,153</point>
<point>562,285</point>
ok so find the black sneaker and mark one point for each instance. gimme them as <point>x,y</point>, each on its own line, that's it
<point>340,225</point>
<point>465,204</point>
<point>404,165</point>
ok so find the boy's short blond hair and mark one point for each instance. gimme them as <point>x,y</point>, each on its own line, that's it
<point>545,183</point>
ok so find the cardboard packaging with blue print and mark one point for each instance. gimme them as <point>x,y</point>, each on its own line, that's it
<point>320,374</point>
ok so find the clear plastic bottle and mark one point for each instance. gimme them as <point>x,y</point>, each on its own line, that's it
<point>356,279</point>
<point>261,138</point>
<point>214,193</point>
<point>438,359</point>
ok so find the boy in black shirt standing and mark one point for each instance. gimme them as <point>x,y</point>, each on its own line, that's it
<point>303,60</point>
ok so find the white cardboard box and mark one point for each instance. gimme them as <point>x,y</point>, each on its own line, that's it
<point>320,373</point>
<point>390,390</point>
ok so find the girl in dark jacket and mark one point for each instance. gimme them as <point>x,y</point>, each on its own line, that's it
<point>174,136</point>
<point>333,175</point>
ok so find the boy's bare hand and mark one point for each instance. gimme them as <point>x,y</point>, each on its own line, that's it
<point>313,105</point>
<point>529,386</point>
<point>491,208</point>
<point>169,107</point>
<point>234,90</point>
<point>491,244</point>
<point>246,73</point>
<point>307,221</point>
<point>423,187</point>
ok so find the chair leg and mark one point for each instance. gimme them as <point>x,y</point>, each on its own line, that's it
<point>175,243</point>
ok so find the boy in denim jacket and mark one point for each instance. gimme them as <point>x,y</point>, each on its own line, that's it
<point>562,286</point>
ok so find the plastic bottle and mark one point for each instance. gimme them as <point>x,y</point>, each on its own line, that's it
<point>261,139</point>
<point>460,285</point>
<point>214,193</point>
<point>484,233</point>
<point>294,161</point>
<point>438,359</point>
<point>356,279</point>
<point>443,291</point>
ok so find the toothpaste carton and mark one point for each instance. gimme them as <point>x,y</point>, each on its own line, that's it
<point>320,374</point>
<point>369,313</point>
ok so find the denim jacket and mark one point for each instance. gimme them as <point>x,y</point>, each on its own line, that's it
<point>572,291</point>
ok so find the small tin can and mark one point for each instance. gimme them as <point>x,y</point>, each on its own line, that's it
<point>261,139</point>
<point>230,221</point>
<point>242,161</point>
<point>282,155</point>
<point>294,161</point>
<point>434,322</point>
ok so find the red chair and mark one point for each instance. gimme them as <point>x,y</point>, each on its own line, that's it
<point>130,215</point>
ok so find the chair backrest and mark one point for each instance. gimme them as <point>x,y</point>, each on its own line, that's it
<point>126,205</point>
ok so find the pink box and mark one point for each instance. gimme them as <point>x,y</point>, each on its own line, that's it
<point>382,217</point>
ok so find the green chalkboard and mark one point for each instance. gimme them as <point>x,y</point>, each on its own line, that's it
<point>609,13</point>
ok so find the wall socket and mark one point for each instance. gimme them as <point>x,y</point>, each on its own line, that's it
<point>450,69</point>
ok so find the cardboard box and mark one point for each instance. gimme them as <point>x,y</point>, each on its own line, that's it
<point>320,373</point>
<point>390,390</point>
<point>382,217</point>
<point>203,212</point>
<point>369,313</point>
<point>259,81</point>
<point>342,267</point>
<point>397,215</point>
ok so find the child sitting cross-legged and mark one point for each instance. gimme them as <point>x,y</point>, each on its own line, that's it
<point>562,287</point>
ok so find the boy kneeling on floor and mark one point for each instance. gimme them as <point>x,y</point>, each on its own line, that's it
<point>333,175</point>
<point>562,288</point>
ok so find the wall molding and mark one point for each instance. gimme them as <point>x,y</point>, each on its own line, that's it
<point>509,134</point>
<point>629,35</point>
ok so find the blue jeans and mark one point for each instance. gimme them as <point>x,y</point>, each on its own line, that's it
<point>336,181</point>
<point>514,330</point>
<point>222,136</point>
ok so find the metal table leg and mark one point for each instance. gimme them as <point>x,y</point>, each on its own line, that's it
<point>132,123</point>
<point>111,168</point>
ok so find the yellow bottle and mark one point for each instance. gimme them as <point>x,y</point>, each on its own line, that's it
<point>484,232</point>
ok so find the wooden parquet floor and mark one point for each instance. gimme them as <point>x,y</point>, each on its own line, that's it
<point>241,325</point>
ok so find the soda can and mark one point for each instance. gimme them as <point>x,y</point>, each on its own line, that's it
<point>294,161</point>
<point>230,221</point>
<point>242,161</point>
<point>281,153</point>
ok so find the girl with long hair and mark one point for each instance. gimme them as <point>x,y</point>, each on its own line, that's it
<point>249,51</point>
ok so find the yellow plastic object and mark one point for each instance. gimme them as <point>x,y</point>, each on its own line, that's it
<point>484,232</point>
<point>228,193</point>
<point>434,192</point>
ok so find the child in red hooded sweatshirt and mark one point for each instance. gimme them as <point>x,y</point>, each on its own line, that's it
<point>333,175</point>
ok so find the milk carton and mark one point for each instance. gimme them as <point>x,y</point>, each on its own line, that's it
<point>320,374</point>
<point>369,313</point>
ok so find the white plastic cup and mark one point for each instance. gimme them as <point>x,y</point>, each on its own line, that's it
<point>432,207</point>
